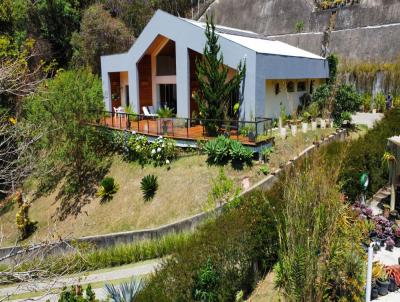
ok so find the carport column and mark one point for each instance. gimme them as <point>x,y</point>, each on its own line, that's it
<point>133,80</point>
<point>249,90</point>
<point>182,80</point>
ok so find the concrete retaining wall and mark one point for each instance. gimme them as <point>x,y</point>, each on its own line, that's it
<point>360,32</point>
<point>188,224</point>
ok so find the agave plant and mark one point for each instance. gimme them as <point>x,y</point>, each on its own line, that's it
<point>126,292</point>
<point>218,149</point>
<point>149,186</point>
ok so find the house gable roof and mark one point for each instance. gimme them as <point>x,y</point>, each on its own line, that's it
<point>257,42</point>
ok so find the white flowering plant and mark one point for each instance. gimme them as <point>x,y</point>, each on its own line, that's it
<point>163,151</point>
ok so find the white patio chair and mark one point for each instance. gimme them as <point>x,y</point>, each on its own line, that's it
<point>115,109</point>
<point>121,111</point>
<point>147,113</point>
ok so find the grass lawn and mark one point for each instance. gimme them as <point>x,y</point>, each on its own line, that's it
<point>183,191</point>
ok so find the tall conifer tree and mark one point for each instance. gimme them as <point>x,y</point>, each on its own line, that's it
<point>215,90</point>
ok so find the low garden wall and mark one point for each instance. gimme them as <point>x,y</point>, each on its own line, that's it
<point>187,224</point>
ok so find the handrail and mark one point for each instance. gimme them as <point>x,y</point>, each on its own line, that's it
<point>247,131</point>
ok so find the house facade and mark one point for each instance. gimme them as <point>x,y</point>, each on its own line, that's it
<point>160,69</point>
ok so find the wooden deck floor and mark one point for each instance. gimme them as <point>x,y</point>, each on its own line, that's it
<point>173,128</point>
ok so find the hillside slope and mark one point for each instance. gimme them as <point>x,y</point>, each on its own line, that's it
<point>370,29</point>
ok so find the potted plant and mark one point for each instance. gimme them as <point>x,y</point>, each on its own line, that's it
<point>389,244</point>
<point>381,278</point>
<point>313,110</point>
<point>306,119</point>
<point>165,115</point>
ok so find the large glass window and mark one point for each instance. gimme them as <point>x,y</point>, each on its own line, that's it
<point>166,62</point>
<point>168,96</point>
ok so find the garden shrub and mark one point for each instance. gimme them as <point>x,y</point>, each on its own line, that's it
<point>149,186</point>
<point>75,294</point>
<point>238,247</point>
<point>347,100</point>
<point>26,227</point>
<point>380,102</point>
<point>107,188</point>
<point>365,155</point>
<point>136,147</point>
<point>222,149</point>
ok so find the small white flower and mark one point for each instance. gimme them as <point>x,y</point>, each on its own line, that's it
<point>167,162</point>
<point>158,149</point>
<point>163,145</point>
<point>133,132</point>
<point>153,151</point>
<point>160,137</point>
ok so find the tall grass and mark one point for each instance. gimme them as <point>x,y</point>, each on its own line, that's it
<point>320,254</point>
<point>88,258</point>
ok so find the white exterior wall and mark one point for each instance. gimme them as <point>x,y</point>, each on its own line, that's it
<point>290,100</point>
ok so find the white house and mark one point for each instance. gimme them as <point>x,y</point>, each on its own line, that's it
<point>159,69</point>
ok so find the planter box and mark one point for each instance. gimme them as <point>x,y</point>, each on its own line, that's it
<point>313,125</point>
<point>304,127</point>
<point>293,128</point>
<point>283,132</point>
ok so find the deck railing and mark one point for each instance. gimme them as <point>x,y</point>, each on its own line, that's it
<point>188,128</point>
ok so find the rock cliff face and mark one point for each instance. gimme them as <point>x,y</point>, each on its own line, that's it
<point>369,30</point>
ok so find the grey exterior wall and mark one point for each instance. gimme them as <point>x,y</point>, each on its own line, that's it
<point>189,36</point>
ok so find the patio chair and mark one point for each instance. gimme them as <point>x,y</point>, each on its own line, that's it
<point>147,113</point>
<point>115,110</point>
<point>151,110</point>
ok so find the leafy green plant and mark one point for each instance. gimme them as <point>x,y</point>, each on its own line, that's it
<point>346,116</point>
<point>206,284</point>
<point>299,26</point>
<point>107,188</point>
<point>149,186</point>
<point>380,102</point>
<point>222,190</point>
<point>125,292</point>
<point>165,112</point>
<point>240,153</point>
<point>265,169</point>
<point>314,111</point>
<point>347,99</point>
<point>366,102</point>
<point>75,294</point>
<point>266,153</point>
<point>218,150</point>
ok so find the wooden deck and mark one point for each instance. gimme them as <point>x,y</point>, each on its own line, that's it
<point>169,128</point>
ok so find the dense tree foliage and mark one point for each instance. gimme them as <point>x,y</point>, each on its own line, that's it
<point>63,107</point>
<point>100,34</point>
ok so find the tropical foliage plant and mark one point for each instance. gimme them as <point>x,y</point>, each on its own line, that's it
<point>149,186</point>
<point>125,292</point>
<point>107,188</point>
<point>223,149</point>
